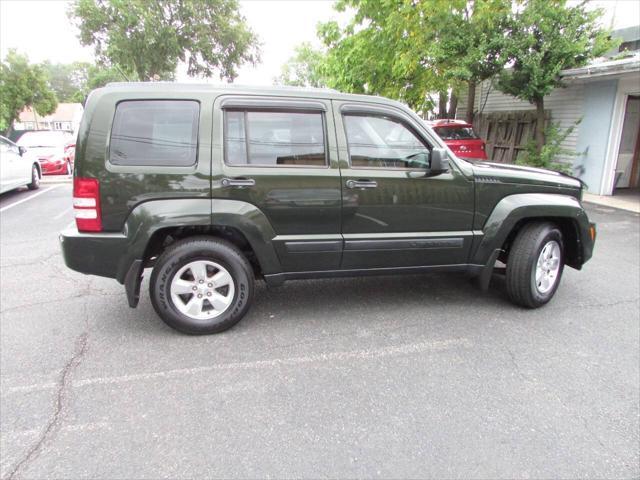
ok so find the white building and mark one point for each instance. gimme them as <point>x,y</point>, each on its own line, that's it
<point>66,117</point>
<point>604,97</point>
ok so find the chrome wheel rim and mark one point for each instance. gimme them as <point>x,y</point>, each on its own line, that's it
<point>202,289</point>
<point>548,267</point>
<point>36,177</point>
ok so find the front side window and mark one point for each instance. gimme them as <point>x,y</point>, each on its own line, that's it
<point>267,138</point>
<point>155,132</point>
<point>383,142</point>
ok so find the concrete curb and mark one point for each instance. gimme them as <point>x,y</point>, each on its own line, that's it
<point>630,203</point>
<point>48,179</point>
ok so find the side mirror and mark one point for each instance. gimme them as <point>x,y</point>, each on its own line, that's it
<point>439,161</point>
<point>419,161</point>
<point>22,150</point>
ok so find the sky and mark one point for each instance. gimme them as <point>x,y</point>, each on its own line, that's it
<point>41,29</point>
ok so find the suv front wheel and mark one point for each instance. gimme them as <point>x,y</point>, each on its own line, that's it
<point>535,264</point>
<point>201,285</point>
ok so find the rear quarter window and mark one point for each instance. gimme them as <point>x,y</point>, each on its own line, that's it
<point>155,133</point>
<point>456,133</point>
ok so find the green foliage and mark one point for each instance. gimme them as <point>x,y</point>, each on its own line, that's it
<point>64,79</point>
<point>406,50</point>
<point>23,85</point>
<point>546,37</point>
<point>552,149</point>
<point>72,82</point>
<point>468,41</point>
<point>304,69</point>
<point>150,38</point>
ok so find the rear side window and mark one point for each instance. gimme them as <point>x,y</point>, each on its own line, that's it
<point>155,132</point>
<point>267,138</point>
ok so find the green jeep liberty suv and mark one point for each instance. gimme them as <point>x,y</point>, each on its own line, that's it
<point>214,187</point>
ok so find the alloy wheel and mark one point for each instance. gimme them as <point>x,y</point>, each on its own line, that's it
<point>548,266</point>
<point>202,289</point>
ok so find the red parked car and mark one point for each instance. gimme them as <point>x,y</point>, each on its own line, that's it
<point>460,137</point>
<point>54,150</point>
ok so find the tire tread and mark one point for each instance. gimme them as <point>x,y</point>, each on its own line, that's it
<point>523,252</point>
<point>194,243</point>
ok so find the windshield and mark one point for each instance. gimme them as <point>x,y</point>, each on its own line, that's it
<point>456,133</point>
<point>44,139</point>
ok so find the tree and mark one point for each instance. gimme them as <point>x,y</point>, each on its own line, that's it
<point>469,42</point>
<point>304,69</point>
<point>376,53</point>
<point>407,50</point>
<point>23,85</point>
<point>150,38</point>
<point>72,82</point>
<point>64,79</point>
<point>546,37</point>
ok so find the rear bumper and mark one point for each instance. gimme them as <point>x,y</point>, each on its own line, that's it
<point>103,254</point>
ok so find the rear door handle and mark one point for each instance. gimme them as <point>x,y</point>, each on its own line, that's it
<point>361,184</point>
<point>238,182</point>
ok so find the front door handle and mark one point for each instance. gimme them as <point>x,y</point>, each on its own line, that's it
<point>361,184</point>
<point>238,182</point>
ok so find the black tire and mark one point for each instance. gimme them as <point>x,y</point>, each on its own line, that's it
<point>521,264</point>
<point>192,249</point>
<point>35,178</point>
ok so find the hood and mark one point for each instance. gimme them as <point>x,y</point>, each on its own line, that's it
<point>507,173</point>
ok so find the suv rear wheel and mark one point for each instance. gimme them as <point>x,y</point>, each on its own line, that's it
<point>535,264</point>
<point>201,285</point>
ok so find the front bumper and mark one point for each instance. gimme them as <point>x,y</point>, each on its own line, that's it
<point>589,241</point>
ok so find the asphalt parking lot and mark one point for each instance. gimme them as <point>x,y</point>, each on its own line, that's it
<point>418,376</point>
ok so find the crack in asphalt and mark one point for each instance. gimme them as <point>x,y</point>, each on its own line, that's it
<point>64,387</point>
<point>42,260</point>
<point>585,423</point>
<point>92,293</point>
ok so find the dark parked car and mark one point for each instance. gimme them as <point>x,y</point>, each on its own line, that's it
<point>460,137</point>
<point>214,187</point>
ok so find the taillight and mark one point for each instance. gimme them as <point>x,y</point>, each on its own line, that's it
<point>86,204</point>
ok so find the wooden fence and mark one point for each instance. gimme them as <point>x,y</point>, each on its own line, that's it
<point>506,133</point>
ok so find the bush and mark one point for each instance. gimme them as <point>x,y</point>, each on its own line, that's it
<point>548,157</point>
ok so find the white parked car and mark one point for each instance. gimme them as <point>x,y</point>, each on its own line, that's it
<point>16,168</point>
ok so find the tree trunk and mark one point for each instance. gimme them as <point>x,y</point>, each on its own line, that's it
<point>539,124</point>
<point>442,105</point>
<point>471,101</point>
<point>453,105</point>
